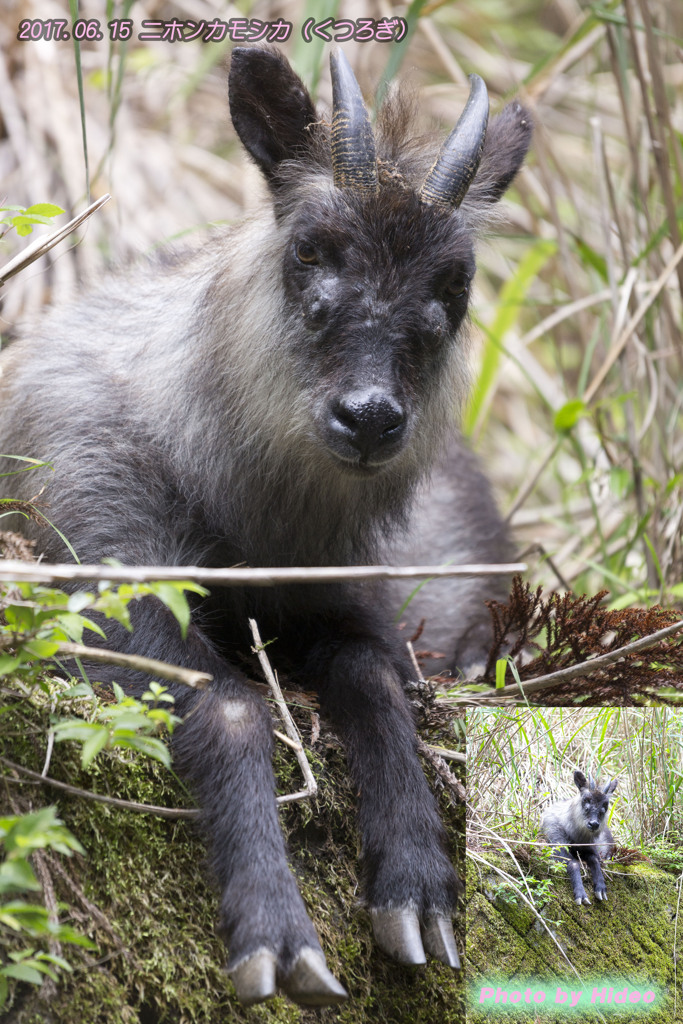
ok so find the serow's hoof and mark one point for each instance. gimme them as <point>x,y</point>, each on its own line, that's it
<point>439,940</point>
<point>397,932</point>
<point>254,977</point>
<point>310,983</point>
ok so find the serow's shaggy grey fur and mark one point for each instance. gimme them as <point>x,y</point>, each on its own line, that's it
<point>578,828</point>
<point>279,399</point>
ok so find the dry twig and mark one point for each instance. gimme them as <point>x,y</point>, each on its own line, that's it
<point>42,572</point>
<point>174,673</point>
<point>290,728</point>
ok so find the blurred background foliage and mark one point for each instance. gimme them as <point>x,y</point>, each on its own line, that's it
<point>576,400</point>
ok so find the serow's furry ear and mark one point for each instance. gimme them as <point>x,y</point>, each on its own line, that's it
<point>507,142</point>
<point>580,779</point>
<point>270,107</point>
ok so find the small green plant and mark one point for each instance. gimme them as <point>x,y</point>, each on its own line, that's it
<point>24,218</point>
<point>36,620</point>
<point>20,836</point>
<point>129,723</point>
<point>540,889</point>
<point>42,618</point>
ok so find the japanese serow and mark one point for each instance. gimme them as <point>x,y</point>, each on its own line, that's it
<point>578,828</point>
<point>278,399</point>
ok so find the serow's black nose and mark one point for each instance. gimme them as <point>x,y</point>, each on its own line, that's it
<point>371,422</point>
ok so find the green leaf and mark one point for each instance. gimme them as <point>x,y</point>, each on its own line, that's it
<point>17,874</point>
<point>22,973</point>
<point>73,729</point>
<point>150,746</point>
<point>8,664</point>
<point>93,627</point>
<point>41,648</point>
<point>93,745</point>
<point>307,58</point>
<point>79,690</point>
<point>23,226</point>
<point>34,831</point>
<point>176,602</point>
<point>129,720</point>
<point>71,625</point>
<point>111,604</point>
<point>58,961</point>
<point>20,617</point>
<point>501,668</point>
<point>78,601</point>
<point>65,933</point>
<point>44,209</point>
<point>4,989</point>
<point>568,416</point>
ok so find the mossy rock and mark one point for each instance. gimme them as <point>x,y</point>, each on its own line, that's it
<point>626,942</point>
<point>142,896</point>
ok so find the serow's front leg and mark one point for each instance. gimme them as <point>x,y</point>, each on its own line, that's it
<point>223,749</point>
<point>574,872</point>
<point>410,885</point>
<point>597,875</point>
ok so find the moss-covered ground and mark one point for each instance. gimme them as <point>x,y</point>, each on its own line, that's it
<point>625,942</point>
<point>141,894</point>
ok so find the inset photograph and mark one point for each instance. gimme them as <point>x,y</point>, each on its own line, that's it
<point>574,864</point>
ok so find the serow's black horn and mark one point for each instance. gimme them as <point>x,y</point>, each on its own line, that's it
<point>354,162</point>
<point>447,182</point>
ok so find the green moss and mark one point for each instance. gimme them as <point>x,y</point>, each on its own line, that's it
<point>141,895</point>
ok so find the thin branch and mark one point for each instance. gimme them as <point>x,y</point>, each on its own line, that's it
<point>173,813</point>
<point>294,745</point>
<point>290,727</point>
<point>42,572</point>
<point>189,677</point>
<point>100,798</point>
<point>450,755</point>
<point>586,667</point>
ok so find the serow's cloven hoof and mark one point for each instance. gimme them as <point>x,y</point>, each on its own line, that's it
<point>311,983</point>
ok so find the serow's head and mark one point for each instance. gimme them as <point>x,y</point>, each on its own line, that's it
<point>377,233</point>
<point>594,800</point>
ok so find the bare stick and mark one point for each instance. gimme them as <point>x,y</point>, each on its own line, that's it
<point>189,677</point>
<point>41,572</point>
<point>38,248</point>
<point>450,755</point>
<point>586,667</point>
<point>286,740</point>
<point>290,727</point>
<point>100,798</point>
<point>418,670</point>
<point>126,805</point>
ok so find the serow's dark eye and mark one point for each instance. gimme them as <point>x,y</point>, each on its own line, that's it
<point>306,253</point>
<point>456,288</point>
